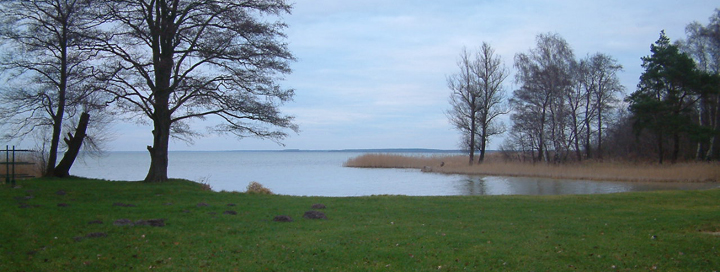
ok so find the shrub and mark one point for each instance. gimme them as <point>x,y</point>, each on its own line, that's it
<point>257,188</point>
<point>205,184</point>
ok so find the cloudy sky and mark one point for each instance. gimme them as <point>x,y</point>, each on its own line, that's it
<point>372,73</point>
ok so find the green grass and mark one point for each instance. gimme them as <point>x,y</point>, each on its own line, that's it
<point>391,233</point>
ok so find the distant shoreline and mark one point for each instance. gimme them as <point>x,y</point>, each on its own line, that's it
<point>370,150</point>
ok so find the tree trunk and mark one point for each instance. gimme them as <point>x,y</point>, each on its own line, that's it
<point>661,150</point>
<point>701,145</point>
<point>599,141</point>
<point>541,138</point>
<point>578,151</point>
<point>54,143</point>
<point>161,139</point>
<point>58,118</point>
<point>714,143</point>
<point>159,150</point>
<point>472,143</point>
<point>588,133</point>
<point>473,119</point>
<point>483,142</point>
<point>74,143</point>
<point>676,148</point>
<point>163,62</point>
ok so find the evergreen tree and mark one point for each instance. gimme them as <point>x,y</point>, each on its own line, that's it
<point>664,100</point>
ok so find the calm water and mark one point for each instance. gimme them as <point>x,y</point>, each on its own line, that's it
<point>322,174</point>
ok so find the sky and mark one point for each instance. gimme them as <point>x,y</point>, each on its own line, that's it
<point>372,73</point>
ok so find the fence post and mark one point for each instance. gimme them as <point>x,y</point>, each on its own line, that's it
<point>10,162</point>
<point>7,165</point>
<point>13,167</point>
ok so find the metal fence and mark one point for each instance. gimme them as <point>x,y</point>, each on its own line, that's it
<point>11,162</point>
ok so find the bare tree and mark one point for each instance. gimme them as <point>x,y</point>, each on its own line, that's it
<point>477,98</point>
<point>579,110</point>
<point>46,68</point>
<point>601,85</point>
<point>544,77</point>
<point>490,73</point>
<point>174,61</point>
<point>464,102</point>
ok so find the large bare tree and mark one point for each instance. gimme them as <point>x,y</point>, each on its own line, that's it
<point>598,78</point>
<point>463,102</point>
<point>477,98</point>
<point>175,61</point>
<point>490,73</point>
<point>544,75</point>
<point>47,71</point>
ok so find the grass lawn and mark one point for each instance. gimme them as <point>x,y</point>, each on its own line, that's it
<point>54,225</point>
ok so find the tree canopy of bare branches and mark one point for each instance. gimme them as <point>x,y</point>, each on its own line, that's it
<point>544,75</point>
<point>47,71</point>
<point>477,98</point>
<point>562,105</point>
<point>171,62</point>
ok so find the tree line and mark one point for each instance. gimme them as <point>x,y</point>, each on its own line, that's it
<point>72,66</point>
<point>569,109</point>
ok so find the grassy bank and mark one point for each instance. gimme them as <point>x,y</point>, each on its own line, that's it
<point>69,225</point>
<point>615,171</point>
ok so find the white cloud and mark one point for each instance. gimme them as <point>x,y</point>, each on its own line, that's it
<point>371,73</point>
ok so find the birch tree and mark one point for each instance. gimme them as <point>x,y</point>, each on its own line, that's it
<point>602,87</point>
<point>703,45</point>
<point>544,75</point>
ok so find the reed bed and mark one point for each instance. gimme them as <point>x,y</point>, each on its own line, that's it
<point>22,170</point>
<point>591,170</point>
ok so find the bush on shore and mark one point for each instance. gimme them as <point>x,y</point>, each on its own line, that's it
<point>257,188</point>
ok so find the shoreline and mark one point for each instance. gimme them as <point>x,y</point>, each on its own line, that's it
<point>695,172</point>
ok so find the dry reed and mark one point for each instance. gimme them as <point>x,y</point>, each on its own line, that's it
<point>21,170</point>
<point>494,166</point>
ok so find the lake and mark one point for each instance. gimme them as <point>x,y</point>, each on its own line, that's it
<point>320,173</point>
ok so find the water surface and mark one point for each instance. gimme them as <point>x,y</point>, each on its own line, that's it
<point>322,174</point>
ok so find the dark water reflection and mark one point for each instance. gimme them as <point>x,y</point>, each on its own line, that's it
<point>541,186</point>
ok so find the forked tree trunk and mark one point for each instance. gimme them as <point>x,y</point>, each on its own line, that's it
<point>74,144</point>
<point>54,143</point>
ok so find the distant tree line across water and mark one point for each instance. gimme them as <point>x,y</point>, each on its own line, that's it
<point>568,109</point>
